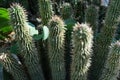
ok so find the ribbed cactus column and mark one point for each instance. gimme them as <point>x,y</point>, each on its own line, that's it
<point>56,48</point>
<point>91,17</point>
<point>82,43</point>
<point>45,8</point>
<point>112,64</point>
<point>104,39</point>
<point>24,40</point>
<point>13,66</point>
<point>66,10</point>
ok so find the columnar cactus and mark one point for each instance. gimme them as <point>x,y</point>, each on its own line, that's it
<point>104,39</point>
<point>46,12</point>
<point>56,48</point>
<point>66,10</point>
<point>45,8</point>
<point>82,38</point>
<point>91,17</point>
<point>112,64</point>
<point>79,11</point>
<point>24,40</point>
<point>13,66</point>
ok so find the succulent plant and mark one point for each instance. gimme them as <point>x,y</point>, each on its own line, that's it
<point>13,66</point>
<point>82,37</point>
<point>91,17</point>
<point>26,45</point>
<point>65,57</point>
<point>56,48</point>
<point>66,10</point>
<point>104,39</point>
<point>46,12</point>
<point>112,64</point>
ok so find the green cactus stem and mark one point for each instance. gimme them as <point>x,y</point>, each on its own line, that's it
<point>82,39</point>
<point>112,64</point>
<point>26,45</point>
<point>66,10</point>
<point>13,66</point>
<point>104,39</point>
<point>56,48</point>
<point>91,17</point>
<point>46,12</point>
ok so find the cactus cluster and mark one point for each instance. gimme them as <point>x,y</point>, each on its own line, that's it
<point>88,59</point>
<point>104,39</point>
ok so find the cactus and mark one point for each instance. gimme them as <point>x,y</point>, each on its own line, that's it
<point>66,10</point>
<point>104,39</point>
<point>91,17</point>
<point>13,66</point>
<point>82,43</point>
<point>24,40</point>
<point>79,11</point>
<point>45,8</point>
<point>46,12</point>
<point>112,66</point>
<point>65,65</point>
<point>56,48</point>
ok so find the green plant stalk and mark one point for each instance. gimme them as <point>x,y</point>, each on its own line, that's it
<point>104,39</point>
<point>13,66</point>
<point>26,45</point>
<point>82,39</point>
<point>56,48</point>
<point>66,10</point>
<point>46,12</point>
<point>112,66</point>
<point>91,17</point>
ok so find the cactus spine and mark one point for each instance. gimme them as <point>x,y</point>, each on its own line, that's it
<point>45,8</point>
<point>24,40</point>
<point>82,43</point>
<point>104,39</point>
<point>91,17</point>
<point>112,66</point>
<point>56,48</point>
<point>13,66</point>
